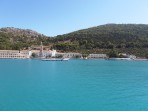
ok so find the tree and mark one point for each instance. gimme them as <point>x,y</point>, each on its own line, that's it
<point>146,56</point>
<point>84,55</point>
<point>113,54</point>
<point>34,55</point>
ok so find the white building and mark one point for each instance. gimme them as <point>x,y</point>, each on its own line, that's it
<point>6,54</point>
<point>127,56</point>
<point>97,56</point>
<point>45,53</point>
<point>69,55</point>
<point>132,56</point>
<point>53,53</point>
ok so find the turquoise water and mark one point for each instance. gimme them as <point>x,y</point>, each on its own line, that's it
<point>76,85</point>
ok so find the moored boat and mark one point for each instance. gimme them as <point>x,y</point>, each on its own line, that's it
<point>56,59</point>
<point>120,59</point>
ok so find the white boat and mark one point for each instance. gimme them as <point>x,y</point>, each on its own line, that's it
<point>141,59</point>
<point>56,59</point>
<point>120,59</point>
<point>66,59</point>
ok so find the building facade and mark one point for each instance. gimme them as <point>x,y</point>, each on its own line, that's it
<point>97,56</point>
<point>69,55</point>
<point>15,54</point>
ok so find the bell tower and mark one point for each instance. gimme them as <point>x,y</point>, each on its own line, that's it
<point>41,50</point>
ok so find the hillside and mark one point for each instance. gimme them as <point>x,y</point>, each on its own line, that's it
<point>15,38</point>
<point>127,38</point>
<point>124,38</point>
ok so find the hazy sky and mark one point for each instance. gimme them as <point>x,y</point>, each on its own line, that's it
<point>54,17</point>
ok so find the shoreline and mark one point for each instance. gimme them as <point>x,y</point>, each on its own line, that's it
<point>110,59</point>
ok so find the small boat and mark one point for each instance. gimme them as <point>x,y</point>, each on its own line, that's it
<point>56,59</point>
<point>65,59</point>
<point>141,59</point>
<point>120,59</point>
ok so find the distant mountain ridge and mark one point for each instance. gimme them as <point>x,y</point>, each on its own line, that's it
<point>21,32</point>
<point>104,30</point>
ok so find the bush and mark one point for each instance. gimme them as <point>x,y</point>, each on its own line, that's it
<point>146,56</point>
<point>34,55</point>
<point>113,54</point>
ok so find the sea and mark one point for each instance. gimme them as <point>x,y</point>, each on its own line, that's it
<point>75,85</point>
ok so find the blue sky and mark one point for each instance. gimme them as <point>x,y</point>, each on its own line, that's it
<point>55,17</point>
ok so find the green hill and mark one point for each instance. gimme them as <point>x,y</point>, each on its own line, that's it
<point>126,38</point>
<point>16,39</point>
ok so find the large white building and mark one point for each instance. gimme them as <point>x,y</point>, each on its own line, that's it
<point>6,54</point>
<point>97,56</point>
<point>54,53</point>
<point>69,55</point>
<point>44,53</point>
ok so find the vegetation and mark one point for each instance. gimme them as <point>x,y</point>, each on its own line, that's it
<point>17,39</point>
<point>84,55</point>
<point>124,38</point>
<point>113,54</point>
<point>34,55</point>
<point>146,56</point>
<point>108,39</point>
